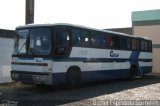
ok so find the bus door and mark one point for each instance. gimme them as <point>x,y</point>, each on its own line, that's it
<point>62,43</point>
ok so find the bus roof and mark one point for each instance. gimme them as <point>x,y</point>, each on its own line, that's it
<point>79,26</point>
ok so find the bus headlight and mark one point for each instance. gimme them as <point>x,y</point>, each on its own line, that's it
<point>14,75</point>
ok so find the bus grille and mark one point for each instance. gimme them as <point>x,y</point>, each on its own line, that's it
<point>25,77</point>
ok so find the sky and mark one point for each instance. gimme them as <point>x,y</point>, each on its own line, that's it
<point>99,14</point>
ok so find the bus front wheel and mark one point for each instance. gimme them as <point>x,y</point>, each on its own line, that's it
<point>73,78</point>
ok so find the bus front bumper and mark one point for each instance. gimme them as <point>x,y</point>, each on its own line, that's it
<point>32,77</point>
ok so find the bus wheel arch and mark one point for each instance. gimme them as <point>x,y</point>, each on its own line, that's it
<point>73,77</point>
<point>132,72</point>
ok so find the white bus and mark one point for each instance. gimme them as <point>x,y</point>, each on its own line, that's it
<point>68,54</point>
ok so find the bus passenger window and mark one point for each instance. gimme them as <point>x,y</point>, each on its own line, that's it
<point>146,45</point>
<point>136,44</point>
<point>80,38</point>
<point>124,43</point>
<point>150,46</point>
<point>116,42</point>
<point>128,43</point>
<point>97,40</point>
<point>110,42</point>
<point>113,42</point>
<point>142,45</point>
<point>133,44</point>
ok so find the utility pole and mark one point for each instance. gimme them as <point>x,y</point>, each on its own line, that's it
<point>29,12</point>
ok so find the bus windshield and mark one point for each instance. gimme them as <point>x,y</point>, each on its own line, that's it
<point>34,41</point>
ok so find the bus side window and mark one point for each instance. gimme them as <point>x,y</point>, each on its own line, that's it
<point>80,37</point>
<point>133,44</point>
<point>101,40</point>
<point>116,42</point>
<point>128,43</point>
<point>110,41</point>
<point>62,41</point>
<point>97,40</point>
<point>124,43</point>
<point>142,45</point>
<point>136,45</point>
<point>113,42</point>
<point>146,46</point>
<point>150,46</point>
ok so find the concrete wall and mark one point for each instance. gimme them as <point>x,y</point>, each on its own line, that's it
<point>6,49</point>
<point>152,32</point>
<point>156,60</point>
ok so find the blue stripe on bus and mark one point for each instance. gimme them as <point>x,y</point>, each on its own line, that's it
<point>101,59</point>
<point>133,56</point>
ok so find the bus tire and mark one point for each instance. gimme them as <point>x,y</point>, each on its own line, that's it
<point>73,78</point>
<point>132,73</point>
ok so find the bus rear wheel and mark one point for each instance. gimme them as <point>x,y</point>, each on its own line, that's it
<point>73,79</point>
<point>132,73</point>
